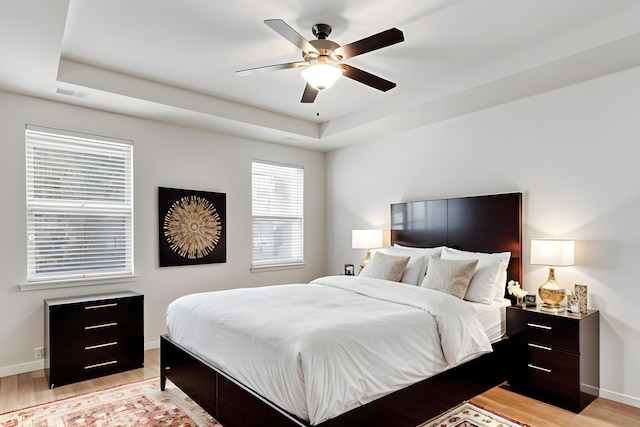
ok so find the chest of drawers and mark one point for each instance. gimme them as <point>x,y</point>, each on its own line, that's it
<point>91,336</point>
<point>554,357</point>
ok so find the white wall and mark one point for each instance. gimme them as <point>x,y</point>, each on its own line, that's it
<point>164,155</point>
<point>575,155</point>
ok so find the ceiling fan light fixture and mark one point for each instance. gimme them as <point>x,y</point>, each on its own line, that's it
<point>321,75</point>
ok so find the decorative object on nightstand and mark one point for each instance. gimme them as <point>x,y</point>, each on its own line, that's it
<point>580,293</point>
<point>514,288</point>
<point>554,357</point>
<point>366,239</point>
<point>530,301</point>
<point>348,269</point>
<point>553,253</point>
<point>573,306</point>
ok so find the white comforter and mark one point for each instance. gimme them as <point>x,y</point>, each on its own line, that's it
<point>320,349</point>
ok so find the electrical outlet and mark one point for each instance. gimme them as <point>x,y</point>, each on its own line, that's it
<point>39,353</point>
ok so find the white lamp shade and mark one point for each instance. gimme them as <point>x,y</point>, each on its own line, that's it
<point>321,75</point>
<point>366,239</point>
<point>552,252</point>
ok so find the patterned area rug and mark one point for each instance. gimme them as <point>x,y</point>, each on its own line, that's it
<point>470,415</point>
<point>137,404</point>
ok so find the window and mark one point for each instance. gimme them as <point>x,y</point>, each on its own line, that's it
<point>79,207</point>
<point>277,195</point>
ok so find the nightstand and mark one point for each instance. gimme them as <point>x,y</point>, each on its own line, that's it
<point>90,336</point>
<point>554,357</point>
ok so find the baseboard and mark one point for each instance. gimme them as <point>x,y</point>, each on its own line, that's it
<point>150,345</point>
<point>21,368</point>
<point>36,365</point>
<point>620,398</point>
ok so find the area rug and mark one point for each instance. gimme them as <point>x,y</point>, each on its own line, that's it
<point>131,405</point>
<point>470,415</point>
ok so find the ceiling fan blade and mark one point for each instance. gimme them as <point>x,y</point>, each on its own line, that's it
<point>367,78</point>
<point>271,68</point>
<point>309,94</point>
<point>376,41</point>
<point>282,28</point>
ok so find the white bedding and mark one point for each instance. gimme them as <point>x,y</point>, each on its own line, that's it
<point>493,318</point>
<point>320,349</point>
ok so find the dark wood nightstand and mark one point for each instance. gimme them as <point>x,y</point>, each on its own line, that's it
<point>91,336</point>
<point>554,357</point>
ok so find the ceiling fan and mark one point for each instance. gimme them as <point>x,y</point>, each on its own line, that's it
<point>322,64</point>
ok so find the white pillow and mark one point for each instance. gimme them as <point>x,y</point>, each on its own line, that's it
<point>450,276</point>
<point>414,272</point>
<point>387,267</point>
<point>489,279</point>
<point>501,283</point>
<point>427,252</point>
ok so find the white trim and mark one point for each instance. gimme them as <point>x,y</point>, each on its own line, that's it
<point>81,135</point>
<point>620,398</point>
<point>70,283</point>
<point>265,268</point>
<point>21,368</point>
<point>152,345</point>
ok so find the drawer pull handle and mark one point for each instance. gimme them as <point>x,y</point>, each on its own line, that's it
<point>109,344</point>
<point>93,307</point>
<point>104,325</point>
<point>539,368</point>
<point>99,365</point>
<point>541,347</point>
<point>535,325</point>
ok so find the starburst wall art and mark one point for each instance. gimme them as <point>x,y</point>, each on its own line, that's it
<point>192,227</point>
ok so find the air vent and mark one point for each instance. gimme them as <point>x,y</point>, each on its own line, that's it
<point>70,92</point>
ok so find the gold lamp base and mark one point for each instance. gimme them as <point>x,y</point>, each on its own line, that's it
<point>551,294</point>
<point>367,258</point>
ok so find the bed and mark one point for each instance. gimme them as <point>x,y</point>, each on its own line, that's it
<point>193,361</point>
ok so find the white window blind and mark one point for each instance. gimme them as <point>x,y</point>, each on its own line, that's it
<point>79,206</point>
<point>277,208</point>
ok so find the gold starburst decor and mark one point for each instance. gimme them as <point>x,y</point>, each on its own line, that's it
<point>192,227</point>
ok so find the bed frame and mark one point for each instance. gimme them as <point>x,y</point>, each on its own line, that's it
<point>490,223</point>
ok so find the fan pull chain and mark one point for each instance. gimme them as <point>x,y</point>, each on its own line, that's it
<point>319,102</point>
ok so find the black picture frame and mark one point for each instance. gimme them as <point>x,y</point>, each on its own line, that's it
<point>530,300</point>
<point>349,270</point>
<point>191,227</point>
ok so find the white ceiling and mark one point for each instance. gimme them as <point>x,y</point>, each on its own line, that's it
<point>176,60</point>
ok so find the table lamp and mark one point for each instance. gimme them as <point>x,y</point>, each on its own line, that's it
<point>366,239</point>
<point>553,253</point>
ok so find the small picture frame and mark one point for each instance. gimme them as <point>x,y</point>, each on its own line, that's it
<point>580,292</point>
<point>530,300</point>
<point>348,269</point>
<point>573,305</point>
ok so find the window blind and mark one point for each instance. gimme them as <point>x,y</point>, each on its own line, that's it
<point>79,206</point>
<point>277,211</point>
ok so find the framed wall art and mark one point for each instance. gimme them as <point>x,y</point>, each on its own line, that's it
<point>192,227</point>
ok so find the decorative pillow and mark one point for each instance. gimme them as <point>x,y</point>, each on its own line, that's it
<point>387,267</point>
<point>490,277</point>
<point>414,272</point>
<point>427,252</point>
<point>450,276</point>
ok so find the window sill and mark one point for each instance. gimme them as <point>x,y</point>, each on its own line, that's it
<point>70,283</point>
<point>265,268</point>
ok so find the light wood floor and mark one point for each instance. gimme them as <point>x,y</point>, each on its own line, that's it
<point>19,391</point>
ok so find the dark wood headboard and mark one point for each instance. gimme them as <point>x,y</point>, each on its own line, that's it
<point>490,223</point>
